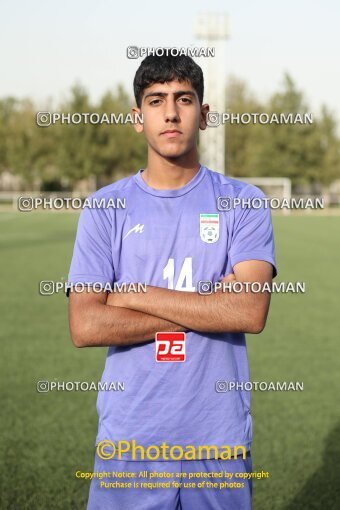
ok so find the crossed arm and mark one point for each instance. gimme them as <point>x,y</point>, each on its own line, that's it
<point>131,318</point>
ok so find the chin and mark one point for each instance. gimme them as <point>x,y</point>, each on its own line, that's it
<point>173,152</point>
<point>173,157</point>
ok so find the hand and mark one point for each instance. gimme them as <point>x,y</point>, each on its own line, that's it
<point>229,278</point>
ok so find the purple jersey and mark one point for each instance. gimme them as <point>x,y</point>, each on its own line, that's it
<point>174,239</point>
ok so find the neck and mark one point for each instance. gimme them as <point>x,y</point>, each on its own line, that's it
<point>170,173</point>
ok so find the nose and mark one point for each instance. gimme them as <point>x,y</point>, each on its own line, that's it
<point>171,113</point>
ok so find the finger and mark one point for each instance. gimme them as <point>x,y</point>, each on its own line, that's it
<point>229,278</point>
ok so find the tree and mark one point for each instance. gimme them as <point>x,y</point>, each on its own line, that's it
<point>306,153</point>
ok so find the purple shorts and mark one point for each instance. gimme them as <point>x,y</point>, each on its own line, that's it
<point>177,493</point>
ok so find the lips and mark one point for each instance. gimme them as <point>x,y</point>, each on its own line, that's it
<point>171,133</point>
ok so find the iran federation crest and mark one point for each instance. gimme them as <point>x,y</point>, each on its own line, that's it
<point>210,227</point>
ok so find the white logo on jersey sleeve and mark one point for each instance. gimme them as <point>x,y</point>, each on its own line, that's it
<point>138,229</point>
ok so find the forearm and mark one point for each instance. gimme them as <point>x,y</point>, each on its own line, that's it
<point>217,312</point>
<point>106,325</point>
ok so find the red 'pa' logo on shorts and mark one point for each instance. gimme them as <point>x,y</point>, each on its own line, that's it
<point>170,346</point>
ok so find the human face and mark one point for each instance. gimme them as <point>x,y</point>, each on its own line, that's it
<point>172,116</point>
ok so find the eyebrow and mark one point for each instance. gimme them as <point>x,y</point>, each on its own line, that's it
<point>164,94</point>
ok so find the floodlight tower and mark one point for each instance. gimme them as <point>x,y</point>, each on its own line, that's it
<point>213,30</point>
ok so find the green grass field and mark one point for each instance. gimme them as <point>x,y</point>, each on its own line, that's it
<point>46,437</point>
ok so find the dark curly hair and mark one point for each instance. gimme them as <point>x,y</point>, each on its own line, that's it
<point>165,68</point>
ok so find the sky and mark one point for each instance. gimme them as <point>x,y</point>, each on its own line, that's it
<point>48,46</point>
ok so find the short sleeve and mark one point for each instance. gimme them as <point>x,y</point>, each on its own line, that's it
<point>252,234</point>
<point>92,254</point>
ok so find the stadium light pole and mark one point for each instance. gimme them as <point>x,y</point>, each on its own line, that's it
<point>213,30</point>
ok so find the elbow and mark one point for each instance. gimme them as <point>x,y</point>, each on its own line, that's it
<point>257,324</point>
<point>258,317</point>
<point>85,336</point>
<point>80,335</point>
<point>78,339</point>
<point>83,321</point>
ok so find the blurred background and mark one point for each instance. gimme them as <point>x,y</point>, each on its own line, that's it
<point>71,57</point>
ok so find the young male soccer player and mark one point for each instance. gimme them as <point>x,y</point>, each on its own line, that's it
<point>172,236</point>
